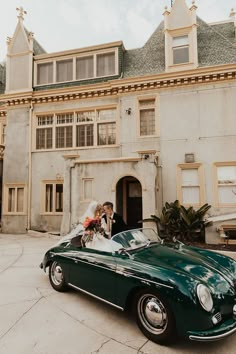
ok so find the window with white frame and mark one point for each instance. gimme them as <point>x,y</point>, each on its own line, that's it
<point>64,130</point>
<point>85,68</point>
<point>147,118</point>
<point>226,184</point>
<point>180,50</point>
<point>44,132</point>
<point>64,70</point>
<point>106,128</point>
<point>190,186</point>
<point>15,198</point>
<point>53,197</point>
<point>87,188</point>
<point>45,73</point>
<point>95,127</point>
<point>106,64</point>
<point>89,66</point>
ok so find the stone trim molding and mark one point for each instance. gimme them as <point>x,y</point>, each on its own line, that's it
<point>123,86</point>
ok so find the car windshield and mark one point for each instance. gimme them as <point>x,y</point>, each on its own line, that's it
<point>137,238</point>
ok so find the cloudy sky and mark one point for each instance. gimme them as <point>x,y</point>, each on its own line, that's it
<point>69,24</point>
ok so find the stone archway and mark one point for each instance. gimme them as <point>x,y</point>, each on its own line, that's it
<point>129,200</point>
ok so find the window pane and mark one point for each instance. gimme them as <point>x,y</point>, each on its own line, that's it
<point>65,118</point>
<point>227,195</point>
<point>44,73</point>
<point>190,177</point>
<point>180,41</point>
<point>107,134</point>
<point>191,195</point>
<point>88,189</point>
<point>181,55</point>
<point>106,114</point>
<point>147,122</point>
<point>65,70</point>
<point>84,135</point>
<point>145,103</point>
<point>226,174</point>
<point>106,64</point>
<point>85,116</point>
<point>59,198</point>
<point>63,137</point>
<point>45,120</point>
<point>49,198</point>
<point>20,200</point>
<point>84,68</point>
<point>11,199</point>
<point>44,138</point>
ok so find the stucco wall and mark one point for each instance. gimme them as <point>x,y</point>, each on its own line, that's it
<point>15,169</point>
<point>199,120</point>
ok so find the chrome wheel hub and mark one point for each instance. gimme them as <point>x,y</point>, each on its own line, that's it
<point>57,275</point>
<point>152,314</point>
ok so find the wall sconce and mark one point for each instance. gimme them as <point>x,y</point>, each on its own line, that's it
<point>128,111</point>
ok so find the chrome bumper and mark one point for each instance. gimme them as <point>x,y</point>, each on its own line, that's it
<point>220,332</point>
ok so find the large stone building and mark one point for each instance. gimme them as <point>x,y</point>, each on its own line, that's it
<point>137,127</point>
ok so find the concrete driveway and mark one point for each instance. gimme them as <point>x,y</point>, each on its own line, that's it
<point>35,319</point>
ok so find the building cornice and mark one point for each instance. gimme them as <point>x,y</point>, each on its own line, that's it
<point>78,51</point>
<point>199,76</point>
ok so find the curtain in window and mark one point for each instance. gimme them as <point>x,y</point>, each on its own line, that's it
<point>64,70</point>
<point>11,199</point>
<point>190,186</point>
<point>84,68</point>
<point>44,138</point>
<point>226,176</point>
<point>59,197</point>
<point>20,200</point>
<point>44,73</point>
<point>106,64</point>
<point>84,135</point>
<point>147,121</point>
<point>49,198</point>
<point>63,137</point>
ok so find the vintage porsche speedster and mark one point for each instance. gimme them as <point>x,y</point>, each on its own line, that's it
<point>173,289</point>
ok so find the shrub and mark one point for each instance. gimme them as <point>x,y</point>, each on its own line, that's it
<point>184,224</point>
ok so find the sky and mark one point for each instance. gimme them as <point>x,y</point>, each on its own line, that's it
<point>70,24</point>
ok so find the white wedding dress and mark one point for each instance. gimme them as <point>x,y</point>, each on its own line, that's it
<point>79,227</point>
<point>100,243</point>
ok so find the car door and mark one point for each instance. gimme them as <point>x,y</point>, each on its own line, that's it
<point>94,271</point>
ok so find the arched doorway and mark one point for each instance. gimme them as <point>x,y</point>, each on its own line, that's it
<point>129,201</point>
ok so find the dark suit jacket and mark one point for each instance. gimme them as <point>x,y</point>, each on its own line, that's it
<point>118,224</point>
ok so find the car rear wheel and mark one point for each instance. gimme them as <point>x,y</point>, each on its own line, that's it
<point>57,277</point>
<point>154,317</point>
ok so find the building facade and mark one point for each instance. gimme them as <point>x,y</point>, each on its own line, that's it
<point>137,127</point>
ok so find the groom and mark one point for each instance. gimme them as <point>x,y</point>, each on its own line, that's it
<point>111,221</point>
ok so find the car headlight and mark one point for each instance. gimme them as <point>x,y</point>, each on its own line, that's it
<point>204,297</point>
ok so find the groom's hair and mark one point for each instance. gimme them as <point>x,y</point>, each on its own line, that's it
<point>108,204</point>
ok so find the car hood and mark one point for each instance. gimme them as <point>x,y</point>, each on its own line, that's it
<point>184,260</point>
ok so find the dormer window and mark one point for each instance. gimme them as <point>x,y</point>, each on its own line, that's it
<point>64,70</point>
<point>81,66</point>
<point>180,50</point>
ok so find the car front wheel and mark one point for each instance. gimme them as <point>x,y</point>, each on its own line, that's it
<point>57,277</point>
<point>155,318</point>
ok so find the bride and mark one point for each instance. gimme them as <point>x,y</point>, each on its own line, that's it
<point>94,236</point>
<point>94,209</point>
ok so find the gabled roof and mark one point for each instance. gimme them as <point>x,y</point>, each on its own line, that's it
<point>216,45</point>
<point>150,59</point>
<point>37,48</point>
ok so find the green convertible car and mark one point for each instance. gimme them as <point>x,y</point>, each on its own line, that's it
<point>173,289</point>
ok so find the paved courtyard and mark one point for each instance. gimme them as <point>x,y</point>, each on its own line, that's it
<point>35,319</point>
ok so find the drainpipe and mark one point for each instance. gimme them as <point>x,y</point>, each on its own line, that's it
<point>30,168</point>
